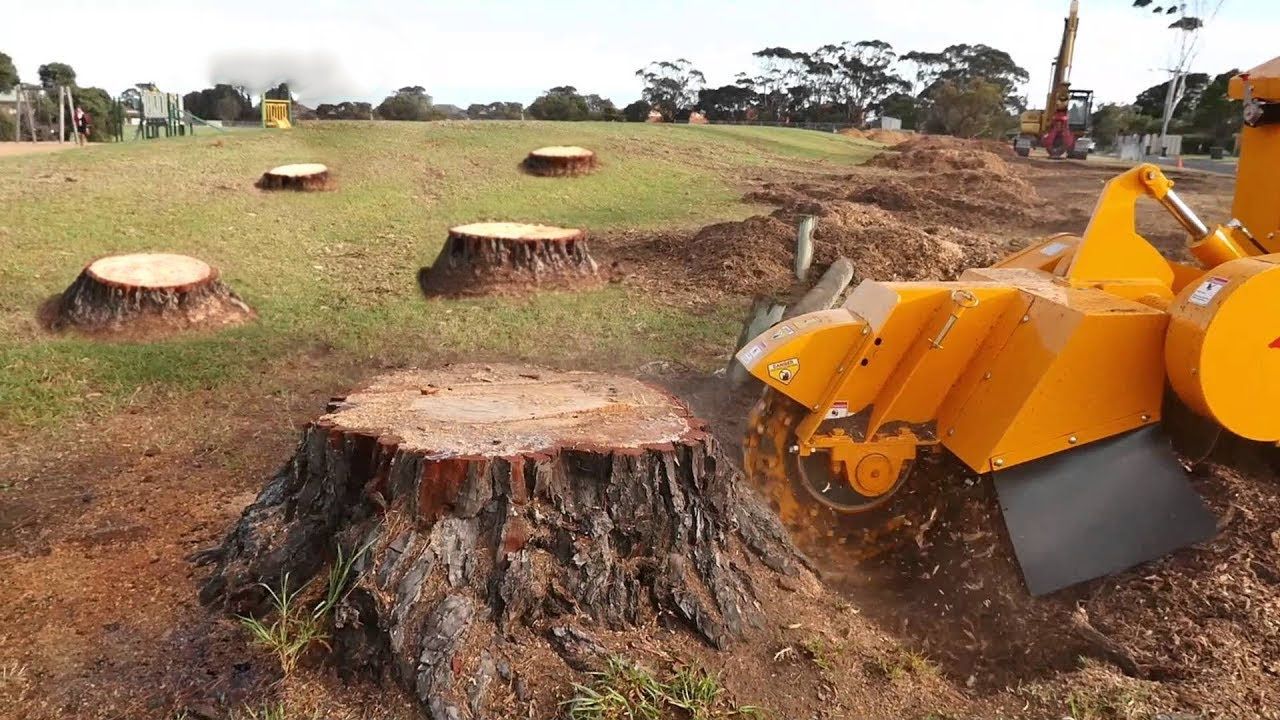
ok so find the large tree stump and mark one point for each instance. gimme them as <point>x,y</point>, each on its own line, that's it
<point>302,176</point>
<point>146,293</point>
<point>560,160</point>
<point>503,258</point>
<point>506,509</point>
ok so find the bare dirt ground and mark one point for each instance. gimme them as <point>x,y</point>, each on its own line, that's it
<point>14,149</point>
<point>98,610</point>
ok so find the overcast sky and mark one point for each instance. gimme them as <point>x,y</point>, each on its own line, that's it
<point>468,51</point>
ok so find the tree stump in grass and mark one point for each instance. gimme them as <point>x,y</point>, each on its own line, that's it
<point>146,292</point>
<point>302,176</point>
<point>504,509</point>
<point>501,257</point>
<point>560,160</point>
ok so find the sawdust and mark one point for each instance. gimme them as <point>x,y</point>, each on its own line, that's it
<point>880,135</point>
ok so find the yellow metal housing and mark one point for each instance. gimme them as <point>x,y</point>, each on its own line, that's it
<point>1059,345</point>
<point>1257,198</point>
<point>1222,354</point>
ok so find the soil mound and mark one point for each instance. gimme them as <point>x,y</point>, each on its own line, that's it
<point>880,135</point>
<point>942,160</point>
<point>755,255</point>
<point>935,142</point>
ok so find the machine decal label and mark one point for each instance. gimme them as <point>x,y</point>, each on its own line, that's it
<point>1208,290</point>
<point>784,371</point>
<point>1275,343</point>
<point>782,332</point>
<point>1053,248</point>
<point>752,353</point>
<point>839,409</point>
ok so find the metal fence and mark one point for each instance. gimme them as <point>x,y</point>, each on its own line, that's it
<point>828,127</point>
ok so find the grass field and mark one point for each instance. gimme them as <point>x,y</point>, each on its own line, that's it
<point>334,271</point>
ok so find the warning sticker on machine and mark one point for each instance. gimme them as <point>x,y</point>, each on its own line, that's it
<point>782,332</point>
<point>752,353</point>
<point>784,371</point>
<point>839,409</point>
<point>1053,248</point>
<point>1207,291</point>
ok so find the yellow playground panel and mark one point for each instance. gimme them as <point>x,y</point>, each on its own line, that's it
<point>277,114</point>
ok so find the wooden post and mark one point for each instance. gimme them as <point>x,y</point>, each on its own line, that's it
<point>62,131</point>
<point>824,294</point>
<point>804,246</point>
<point>17,110</point>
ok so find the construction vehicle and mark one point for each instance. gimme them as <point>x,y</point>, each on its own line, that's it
<point>1062,128</point>
<point>1058,370</point>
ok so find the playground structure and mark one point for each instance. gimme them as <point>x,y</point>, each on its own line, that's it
<point>161,111</point>
<point>277,113</point>
<point>28,98</point>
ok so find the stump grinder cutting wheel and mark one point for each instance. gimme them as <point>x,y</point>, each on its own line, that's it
<point>1051,370</point>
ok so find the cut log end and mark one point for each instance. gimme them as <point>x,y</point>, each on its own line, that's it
<point>560,160</point>
<point>301,176</point>
<point>500,507</point>
<point>500,258</point>
<point>145,294</point>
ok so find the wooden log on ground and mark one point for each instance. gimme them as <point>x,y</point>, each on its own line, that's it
<point>560,160</point>
<point>146,293</point>
<point>301,176</point>
<point>504,258</point>
<point>508,512</point>
<point>824,293</point>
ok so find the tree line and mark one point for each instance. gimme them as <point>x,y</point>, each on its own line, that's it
<point>964,90</point>
<point>1205,118</point>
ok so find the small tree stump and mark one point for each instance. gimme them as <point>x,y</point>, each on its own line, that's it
<point>144,293</point>
<point>560,160</point>
<point>502,506</point>
<point>501,258</point>
<point>302,176</point>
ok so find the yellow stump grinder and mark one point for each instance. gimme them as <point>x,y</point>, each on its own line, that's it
<point>1052,369</point>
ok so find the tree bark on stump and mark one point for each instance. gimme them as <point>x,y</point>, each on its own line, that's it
<point>505,509</point>
<point>505,258</point>
<point>302,176</point>
<point>560,160</point>
<point>146,292</point>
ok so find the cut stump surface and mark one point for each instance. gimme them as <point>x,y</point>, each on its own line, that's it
<point>300,176</point>
<point>145,294</point>
<point>503,258</point>
<point>560,160</point>
<point>502,507</point>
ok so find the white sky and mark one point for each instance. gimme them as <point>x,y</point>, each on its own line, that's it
<point>482,50</point>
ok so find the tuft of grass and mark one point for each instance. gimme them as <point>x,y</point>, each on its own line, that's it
<point>902,661</point>
<point>1107,704</point>
<point>628,691</point>
<point>818,651</point>
<point>296,629</point>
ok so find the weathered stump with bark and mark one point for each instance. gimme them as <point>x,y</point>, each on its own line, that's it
<point>146,293</point>
<point>560,160</point>
<point>501,258</point>
<point>302,176</point>
<point>508,513</point>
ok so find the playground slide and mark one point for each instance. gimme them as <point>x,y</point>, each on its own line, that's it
<point>201,121</point>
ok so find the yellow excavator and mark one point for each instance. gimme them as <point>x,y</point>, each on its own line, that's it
<point>1062,127</point>
<point>1052,370</point>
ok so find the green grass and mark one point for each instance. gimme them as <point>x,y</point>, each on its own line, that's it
<point>627,691</point>
<point>336,270</point>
